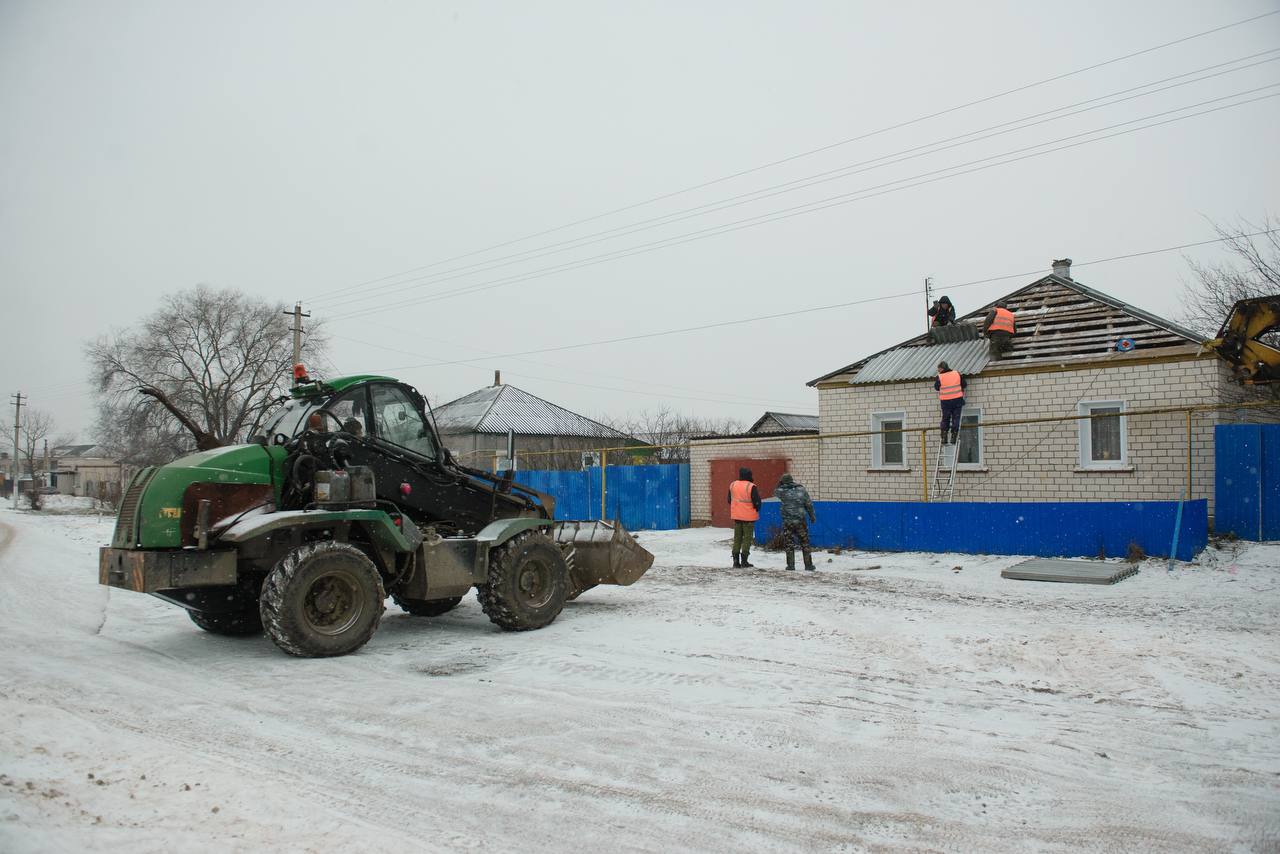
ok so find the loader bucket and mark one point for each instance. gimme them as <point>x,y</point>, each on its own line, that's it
<point>603,553</point>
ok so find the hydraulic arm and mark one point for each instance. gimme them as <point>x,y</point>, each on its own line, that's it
<point>1240,343</point>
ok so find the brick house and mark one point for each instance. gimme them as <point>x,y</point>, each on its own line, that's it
<point>1077,352</point>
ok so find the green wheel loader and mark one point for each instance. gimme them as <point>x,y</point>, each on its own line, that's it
<point>347,496</point>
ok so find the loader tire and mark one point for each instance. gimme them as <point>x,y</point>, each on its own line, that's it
<point>231,623</point>
<point>528,582</point>
<point>322,599</point>
<point>427,607</point>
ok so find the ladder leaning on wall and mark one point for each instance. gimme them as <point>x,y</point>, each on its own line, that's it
<point>944,472</point>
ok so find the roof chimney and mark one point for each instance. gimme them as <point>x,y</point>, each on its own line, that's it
<point>1062,268</point>
<point>497,377</point>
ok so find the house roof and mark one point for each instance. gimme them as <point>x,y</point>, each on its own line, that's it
<point>786,422</point>
<point>918,363</point>
<point>64,451</point>
<point>1059,321</point>
<point>499,408</point>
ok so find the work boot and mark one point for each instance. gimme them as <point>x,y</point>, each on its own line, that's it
<point>944,438</point>
<point>808,561</point>
<point>791,561</point>
<point>745,563</point>
<point>736,563</point>
<point>955,437</point>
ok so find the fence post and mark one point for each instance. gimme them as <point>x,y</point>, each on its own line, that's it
<point>924,465</point>
<point>604,466</point>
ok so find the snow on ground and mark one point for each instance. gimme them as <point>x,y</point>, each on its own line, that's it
<point>58,503</point>
<point>888,702</point>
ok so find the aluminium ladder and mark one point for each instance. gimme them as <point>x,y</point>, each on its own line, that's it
<point>944,472</point>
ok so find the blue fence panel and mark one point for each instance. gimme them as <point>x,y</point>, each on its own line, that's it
<point>1237,486</point>
<point>654,497</point>
<point>1269,476</point>
<point>1057,529</point>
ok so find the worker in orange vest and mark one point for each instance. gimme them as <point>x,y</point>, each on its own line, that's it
<point>744,509</point>
<point>950,386</point>
<point>999,326</point>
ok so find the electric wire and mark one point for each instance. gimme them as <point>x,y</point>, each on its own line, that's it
<point>841,199</point>
<point>838,173</point>
<point>810,152</point>
<point>914,294</point>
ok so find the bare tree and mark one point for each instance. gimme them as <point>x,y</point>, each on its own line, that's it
<point>1252,271</point>
<point>670,431</point>
<point>194,373</point>
<point>37,426</point>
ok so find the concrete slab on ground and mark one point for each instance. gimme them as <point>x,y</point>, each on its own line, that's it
<point>1068,571</point>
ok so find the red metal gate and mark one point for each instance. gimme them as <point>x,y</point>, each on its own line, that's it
<point>765,473</point>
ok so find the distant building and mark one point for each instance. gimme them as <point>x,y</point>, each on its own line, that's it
<point>87,470</point>
<point>785,422</point>
<point>474,428</point>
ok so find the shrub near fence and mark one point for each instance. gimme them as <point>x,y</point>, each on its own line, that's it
<point>641,497</point>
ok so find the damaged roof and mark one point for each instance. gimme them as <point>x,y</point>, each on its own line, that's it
<point>499,408</point>
<point>1059,321</point>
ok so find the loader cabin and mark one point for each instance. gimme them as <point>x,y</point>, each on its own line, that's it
<point>1077,350</point>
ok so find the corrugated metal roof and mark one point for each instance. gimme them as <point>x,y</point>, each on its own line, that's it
<point>500,408</point>
<point>918,363</point>
<point>784,421</point>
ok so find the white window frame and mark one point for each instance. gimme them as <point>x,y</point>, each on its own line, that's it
<point>877,441</point>
<point>981,463</point>
<point>1085,434</point>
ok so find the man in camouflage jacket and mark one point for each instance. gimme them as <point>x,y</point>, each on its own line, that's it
<point>797,512</point>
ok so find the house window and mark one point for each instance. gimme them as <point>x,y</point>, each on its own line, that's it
<point>1103,438</point>
<point>970,437</point>
<point>886,446</point>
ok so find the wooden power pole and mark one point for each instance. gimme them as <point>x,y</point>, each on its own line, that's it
<point>17,427</point>
<point>297,314</point>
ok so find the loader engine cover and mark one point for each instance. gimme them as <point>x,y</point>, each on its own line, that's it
<point>349,487</point>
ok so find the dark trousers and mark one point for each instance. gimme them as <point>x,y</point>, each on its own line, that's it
<point>998,342</point>
<point>951,415</point>
<point>743,534</point>
<point>795,535</point>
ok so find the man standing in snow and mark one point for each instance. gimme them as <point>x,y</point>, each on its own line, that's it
<point>797,512</point>
<point>744,509</point>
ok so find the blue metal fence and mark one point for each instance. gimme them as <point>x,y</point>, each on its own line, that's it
<point>1057,529</point>
<point>653,497</point>
<point>1246,485</point>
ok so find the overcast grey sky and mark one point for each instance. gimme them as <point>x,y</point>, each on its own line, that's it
<point>296,149</point>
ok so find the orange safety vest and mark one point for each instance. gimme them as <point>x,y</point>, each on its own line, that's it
<point>949,387</point>
<point>1003,321</point>
<point>740,507</point>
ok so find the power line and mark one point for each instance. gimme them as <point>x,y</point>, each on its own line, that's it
<point>705,396</point>
<point>838,305</point>
<point>850,197</point>
<point>815,179</point>
<point>808,153</point>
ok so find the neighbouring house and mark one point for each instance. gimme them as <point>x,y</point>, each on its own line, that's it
<point>475,427</point>
<point>88,470</point>
<point>785,422</point>
<point>1077,351</point>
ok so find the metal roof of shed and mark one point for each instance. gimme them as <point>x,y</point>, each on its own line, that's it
<point>499,408</point>
<point>918,363</point>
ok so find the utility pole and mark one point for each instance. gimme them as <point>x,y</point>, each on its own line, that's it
<point>17,427</point>
<point>48,472</point>
<point>297,314</point>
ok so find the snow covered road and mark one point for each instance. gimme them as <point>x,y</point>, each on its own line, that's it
<point>900,708</point>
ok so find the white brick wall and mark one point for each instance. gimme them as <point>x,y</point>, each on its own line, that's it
<point>1034,462</point>
<point>801,454</point>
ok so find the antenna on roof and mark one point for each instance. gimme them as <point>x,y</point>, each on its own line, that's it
<point>928,302</point>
